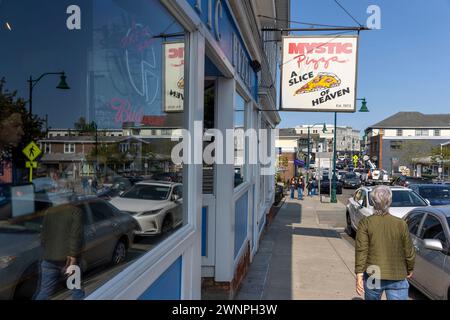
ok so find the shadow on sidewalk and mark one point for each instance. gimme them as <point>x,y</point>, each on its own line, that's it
<point>272,265</point>
<point>314,232</point>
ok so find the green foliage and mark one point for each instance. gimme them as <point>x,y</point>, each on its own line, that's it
<point>17,127</point>
<point>413,149</point>
<point>83,127</point>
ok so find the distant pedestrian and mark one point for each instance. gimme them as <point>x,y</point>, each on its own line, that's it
<point>385,254</point>
<point>309,186</point>
<point>300,188</point>
<point>314,187</point>
<point>293,186</point>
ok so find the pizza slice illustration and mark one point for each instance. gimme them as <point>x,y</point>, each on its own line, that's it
<point>322,81</point>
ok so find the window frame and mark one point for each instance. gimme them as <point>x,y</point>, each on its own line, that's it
<point>244,167</point>
<point>421,231</point>
<point>419,226</point>
<point>69,145</point>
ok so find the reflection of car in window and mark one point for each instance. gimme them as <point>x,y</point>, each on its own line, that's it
<point>108,233</point>
<point>156,205</point>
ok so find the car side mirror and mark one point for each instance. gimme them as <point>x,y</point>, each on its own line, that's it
<point>433,244</point>
<point>428,202</point>
<point>175,197</point>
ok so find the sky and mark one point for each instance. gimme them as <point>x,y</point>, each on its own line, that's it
<point>404,66</point>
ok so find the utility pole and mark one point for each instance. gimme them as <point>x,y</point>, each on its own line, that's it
<point>333,185</point>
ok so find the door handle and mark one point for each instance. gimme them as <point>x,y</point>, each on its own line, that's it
<point>114,224</point>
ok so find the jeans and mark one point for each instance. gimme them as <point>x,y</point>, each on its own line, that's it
<point>292,193</point>
<point>395,290</point>
<point>300,194</point>
<point>49,279</point>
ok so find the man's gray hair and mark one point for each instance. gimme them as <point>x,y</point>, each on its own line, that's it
<point>381,198</point>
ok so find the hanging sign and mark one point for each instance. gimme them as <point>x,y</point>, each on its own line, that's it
<point>319,73</point>
<point>173,77</point>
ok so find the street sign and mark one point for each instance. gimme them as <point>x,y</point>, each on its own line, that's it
<point>355,160</point>
<point>31,151</point>
<point>31,165</point>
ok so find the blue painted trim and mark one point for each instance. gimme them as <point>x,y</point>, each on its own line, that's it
<point>204,231</point>
<point>240,222</point>
<point>228,29</point>
<point>167,286</point>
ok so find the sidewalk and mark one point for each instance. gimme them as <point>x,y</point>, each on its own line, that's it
<point>302,256</point>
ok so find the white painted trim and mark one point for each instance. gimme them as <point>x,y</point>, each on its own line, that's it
<point>446,138</point>
<point>224,186</point>
<point>135,279</point>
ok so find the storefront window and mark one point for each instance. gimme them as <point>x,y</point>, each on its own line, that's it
<point>239,140</point>
<point>101,190</point>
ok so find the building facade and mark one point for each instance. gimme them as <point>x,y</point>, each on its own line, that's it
<point>144,70</point>
<point>347,143</point>
<point>394,143</point>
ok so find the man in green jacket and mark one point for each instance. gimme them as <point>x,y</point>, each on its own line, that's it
<point>62,241</point>
<point>384,253</point>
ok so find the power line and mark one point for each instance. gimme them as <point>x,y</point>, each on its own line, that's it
<point>300,22</point>
<point>348,13</point>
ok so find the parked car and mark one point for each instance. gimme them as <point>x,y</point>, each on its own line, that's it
<point>156,205</point>
<point>430,234</point>
<point>325,186</point>
<point>360,205</point>
<point>108,233</point>
<point>437,194</point>
<point>340,174</point>
<point>167,176</point>
<point>405,181</point>
<point>351,180</point>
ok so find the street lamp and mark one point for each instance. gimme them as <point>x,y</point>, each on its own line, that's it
<point>33,82</point>
<point>324,129</point>
<point>333,198</point>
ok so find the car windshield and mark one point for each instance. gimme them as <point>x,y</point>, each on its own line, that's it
<point>404,198</point>
<point>350,176</point>
<point>147,192</point>
<point>435,192</point>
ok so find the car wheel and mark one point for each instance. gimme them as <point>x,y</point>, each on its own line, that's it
<point>350,231</point>
<point>120,253</point>
<point>27,287</point>
<point>167,224</point>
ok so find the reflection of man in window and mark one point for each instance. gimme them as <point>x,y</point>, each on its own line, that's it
<point>62,237</point>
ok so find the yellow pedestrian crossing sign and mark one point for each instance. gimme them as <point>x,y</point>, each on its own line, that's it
<point>31,151</point>
<point>355,160</point>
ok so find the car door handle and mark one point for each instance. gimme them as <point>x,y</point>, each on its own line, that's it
<point>114,224</point>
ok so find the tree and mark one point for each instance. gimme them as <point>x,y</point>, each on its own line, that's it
<point>283,162</point>
<point>413,149</point>
<point>83,127</point>
<point>17,127</point>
